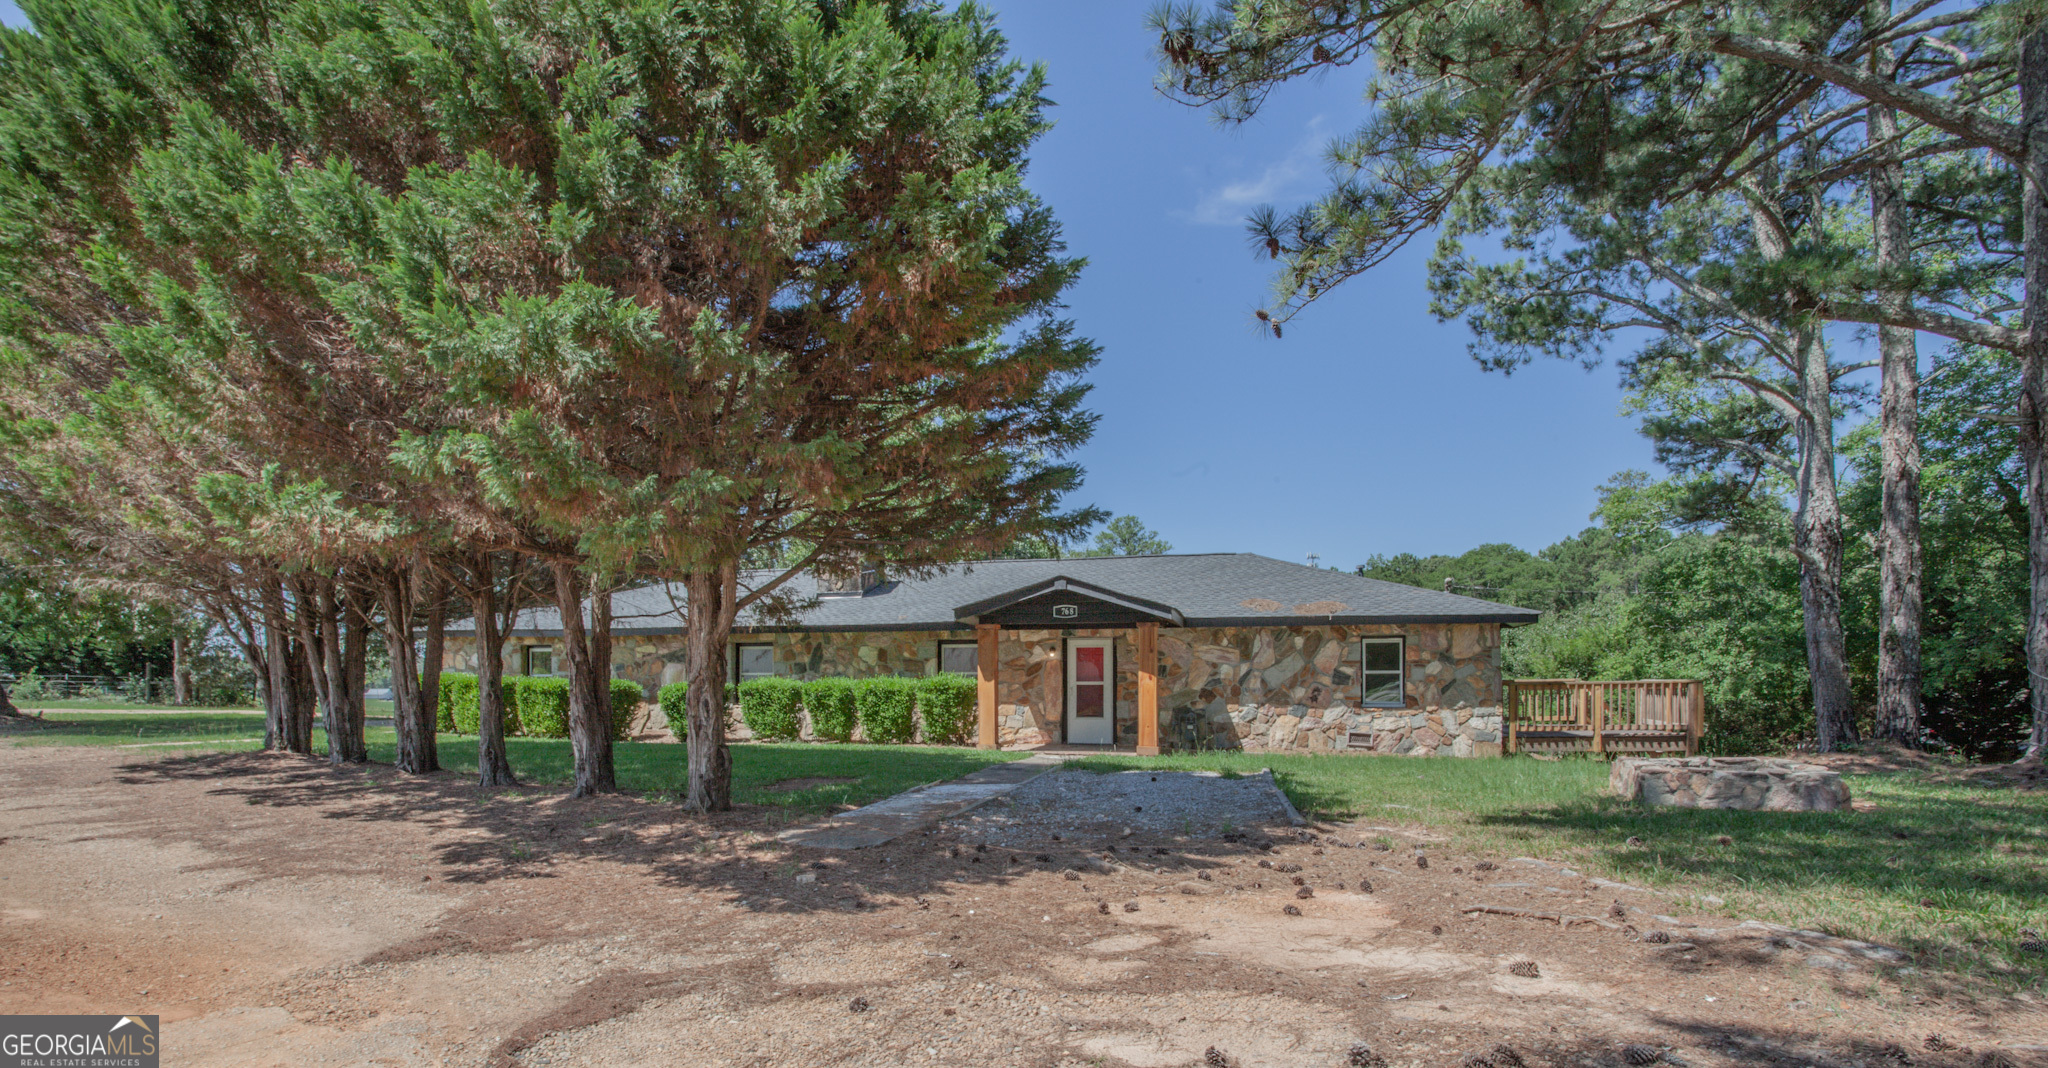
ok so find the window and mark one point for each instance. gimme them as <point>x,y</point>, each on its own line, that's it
<point>754,662</point>
<point>1385,676</point>
<point>960,658</point>
<point>540,660</point>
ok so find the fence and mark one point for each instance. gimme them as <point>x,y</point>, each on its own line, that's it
<point>1574,715</point>
<point>134,688</point>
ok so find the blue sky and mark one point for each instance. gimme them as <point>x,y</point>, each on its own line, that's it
<point>1368,429</point>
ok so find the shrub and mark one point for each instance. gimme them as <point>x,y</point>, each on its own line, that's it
<point>945,702</point>
<point>458,712</point>
<point>457,693</point>
<point>884,705</point>
<point>675,708</point>
<point>627,696</point>
<point>769,707</point>
<point>830,703</point>
<point>543,706</point>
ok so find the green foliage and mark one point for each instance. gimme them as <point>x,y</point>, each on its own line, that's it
<point>543,702</point>
<point>675,708</point>
<point>885,704</point>
<point>831,705</point>
<point>626,698</point>
<point>945,702</point>
<point>51,630</point>
<point>458,712</point>
<point>769,708</point>
<point>1127,535</point>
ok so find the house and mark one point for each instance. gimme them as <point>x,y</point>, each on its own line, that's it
<point>1229,650</point>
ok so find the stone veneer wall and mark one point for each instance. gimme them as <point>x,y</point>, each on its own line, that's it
<point>1257,688</point>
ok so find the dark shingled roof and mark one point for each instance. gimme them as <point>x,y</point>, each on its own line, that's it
<point>1206,589</point>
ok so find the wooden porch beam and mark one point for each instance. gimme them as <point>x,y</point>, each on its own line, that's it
<point>1148,689</point>
<point>988,637</point>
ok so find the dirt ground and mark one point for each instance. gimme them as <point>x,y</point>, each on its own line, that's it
<point>274,911</point>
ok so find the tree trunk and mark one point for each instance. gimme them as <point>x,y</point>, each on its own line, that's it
<point>355,661</point>
<point>1899,605</point>
<point>181,674</point>
<point>710,628</point>
<point>2033,402</point>
<point>1818,542</point>
<point>333,681</point>
<point>590,735</point>
<point>411,717</point>
<point>492,766</point>
<point>288,722</point>
<point>7,705</point>
<point>430,662</point>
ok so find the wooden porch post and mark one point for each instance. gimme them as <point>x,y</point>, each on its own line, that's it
<point>987,636</point>
<point>1148,689</point>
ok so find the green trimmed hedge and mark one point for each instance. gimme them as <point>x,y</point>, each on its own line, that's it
<point>458,695</point>
<point>945,702</point>
<point>627,696</point>
<point>675,707</point>
<point>830,703</point>
<point>543,705</point>
<point>884,704</point>
<point>769,707</point>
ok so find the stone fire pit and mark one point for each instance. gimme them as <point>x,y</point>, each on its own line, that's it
<point>1729,782</point>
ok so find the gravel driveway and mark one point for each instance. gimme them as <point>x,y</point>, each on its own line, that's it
<point>1087,804</point>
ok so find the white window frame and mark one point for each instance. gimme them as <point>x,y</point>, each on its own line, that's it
<point>943,646</point>
<point>526,660</point>
<point>739,660</point>
<point>1365,686</point>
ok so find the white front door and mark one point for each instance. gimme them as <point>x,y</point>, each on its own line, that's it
<point>1091,691</point>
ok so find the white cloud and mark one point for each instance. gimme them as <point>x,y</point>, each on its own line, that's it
<point>1230,203</point>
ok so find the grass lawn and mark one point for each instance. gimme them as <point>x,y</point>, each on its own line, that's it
<point>870,772</point>
<point>1945,868</point>
<point>221,730</point>
<point>111,704</point>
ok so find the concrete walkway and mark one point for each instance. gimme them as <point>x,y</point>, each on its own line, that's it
<point>914,810</point>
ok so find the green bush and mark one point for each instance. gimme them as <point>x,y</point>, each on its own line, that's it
<point>543,706</point>
<point>945,702</point>
<point>830,703</point>
<point>769,707</point>
<point>675,708</point>
<point>884,705</point>
<point>458,711</point>
<point>626,698</point>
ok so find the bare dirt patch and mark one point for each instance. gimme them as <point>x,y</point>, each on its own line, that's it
<point>276,910</point>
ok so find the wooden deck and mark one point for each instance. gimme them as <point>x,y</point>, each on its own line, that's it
<point>1576,716</point>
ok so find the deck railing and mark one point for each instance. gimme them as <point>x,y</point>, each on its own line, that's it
<point>1645,714</point>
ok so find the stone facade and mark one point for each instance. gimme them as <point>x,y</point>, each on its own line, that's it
<point>1282,689</point>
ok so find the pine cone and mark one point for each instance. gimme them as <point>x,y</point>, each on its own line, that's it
<point>857,1005</point>
<point>1304,894</point>
<point>1102,907</point>
<point>1298,881</point>
<point>1639,1054</point>
<point>1073,877</point>
<point>1525,968</point>
<point>1421,861</point>
<point>1291,911</point>
<point>1504,1057</point>
<point>1657,938</point>
<point>1485,865</point>
<point>1617,910</point>
<point>1215,1058</point>
<point>1362,1056</point>
<point>1365,886</point>
<point>1130,906</point>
